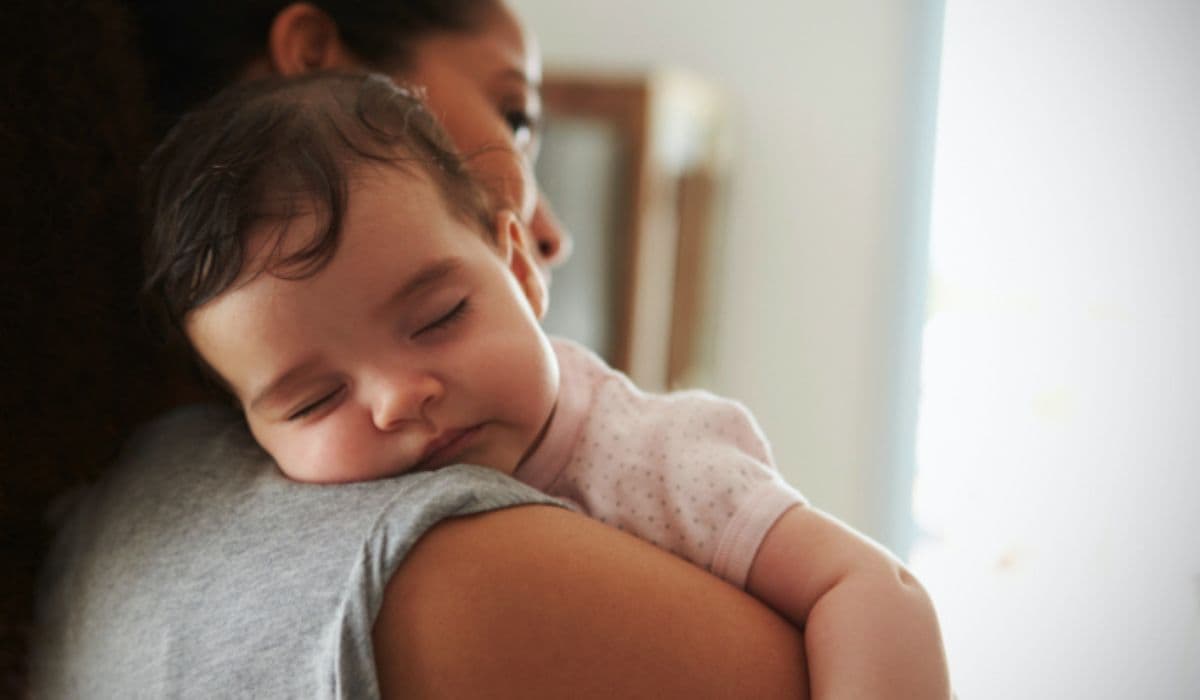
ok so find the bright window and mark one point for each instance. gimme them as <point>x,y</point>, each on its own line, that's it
<point>1058,465</point>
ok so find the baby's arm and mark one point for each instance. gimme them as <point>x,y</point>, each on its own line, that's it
<point>869,627</point>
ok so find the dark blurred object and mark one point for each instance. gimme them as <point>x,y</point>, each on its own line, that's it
<point>78,371</point>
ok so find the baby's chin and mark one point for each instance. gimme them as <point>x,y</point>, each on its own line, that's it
<point>507,471</point>
<point>305,476</point>
<point>330,478</point>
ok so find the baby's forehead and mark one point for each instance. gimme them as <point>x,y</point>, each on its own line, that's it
<point>299,235</point>
<point>284,245</point>
<point>301,224</point>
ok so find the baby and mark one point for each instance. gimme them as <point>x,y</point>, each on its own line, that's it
<point>335,267</point>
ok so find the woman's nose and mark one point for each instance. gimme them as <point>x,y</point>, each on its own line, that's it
<point>400,400</point>
<point>552,238</point>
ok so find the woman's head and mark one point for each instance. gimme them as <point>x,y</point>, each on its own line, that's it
<point>198,47</point>
<point>480,72</point>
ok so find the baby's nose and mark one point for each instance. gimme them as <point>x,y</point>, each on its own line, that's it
<point>401,400</point>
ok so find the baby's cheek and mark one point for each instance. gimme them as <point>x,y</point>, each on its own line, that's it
<point>309,455</point>
<point>332,454</point>
<point>294,460</point>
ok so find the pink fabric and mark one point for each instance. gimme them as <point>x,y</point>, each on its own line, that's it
<point>689,472</point>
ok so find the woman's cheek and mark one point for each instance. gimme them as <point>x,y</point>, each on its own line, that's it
<point>507,178</point>
<point>529,192</point>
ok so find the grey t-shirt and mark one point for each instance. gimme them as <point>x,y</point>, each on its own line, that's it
<point>195,569</point>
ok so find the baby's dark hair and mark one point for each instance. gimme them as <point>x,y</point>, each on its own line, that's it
<point>258,155</point>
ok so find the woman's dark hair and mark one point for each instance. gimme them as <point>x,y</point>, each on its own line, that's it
<point>193,48</point>
<point>261,153</point>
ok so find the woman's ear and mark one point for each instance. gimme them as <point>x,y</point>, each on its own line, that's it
<point>514,245</point>
<point>304,38</point>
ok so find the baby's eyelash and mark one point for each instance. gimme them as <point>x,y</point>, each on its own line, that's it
<point>447,319</point>
<point>312,407</point>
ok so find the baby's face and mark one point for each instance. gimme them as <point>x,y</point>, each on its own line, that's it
<point>416,346</point>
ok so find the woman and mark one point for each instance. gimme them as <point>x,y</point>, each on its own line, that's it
<point>479,70</point>
<point>159,575</point>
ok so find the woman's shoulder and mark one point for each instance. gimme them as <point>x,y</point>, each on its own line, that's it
<point>201,460</point>
<point>195,553</point>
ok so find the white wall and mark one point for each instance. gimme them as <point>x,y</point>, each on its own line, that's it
<point>1060,456</point>
<point>818,219</point>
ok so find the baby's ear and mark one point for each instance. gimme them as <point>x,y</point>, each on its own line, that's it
<point>515,247</point>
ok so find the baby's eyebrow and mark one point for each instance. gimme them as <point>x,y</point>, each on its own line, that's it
<point>280,383</point>
<point>422,280</point>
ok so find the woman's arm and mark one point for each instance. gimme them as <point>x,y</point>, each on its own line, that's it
<point>537,601</point>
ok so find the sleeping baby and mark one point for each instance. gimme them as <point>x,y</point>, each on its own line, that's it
<point>336,268</point>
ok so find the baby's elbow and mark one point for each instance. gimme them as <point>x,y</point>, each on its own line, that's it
<point>907,579</point>
<point>895,580</point>
<point>910,593</point>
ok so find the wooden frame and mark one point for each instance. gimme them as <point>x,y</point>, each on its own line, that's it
<point>666,129</point>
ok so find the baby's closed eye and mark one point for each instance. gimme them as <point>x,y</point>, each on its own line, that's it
<point>444,320</point>
<point>310,408</point>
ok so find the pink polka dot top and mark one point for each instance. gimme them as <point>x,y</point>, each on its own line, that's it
<point>688,471</point>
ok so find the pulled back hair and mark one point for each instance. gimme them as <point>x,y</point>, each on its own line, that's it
<point>193,48</point>
<point>261,153</point>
